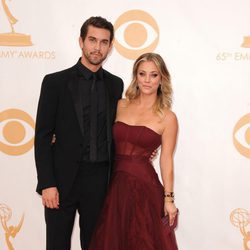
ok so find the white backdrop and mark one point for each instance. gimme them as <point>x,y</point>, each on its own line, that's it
<point>206,45</point>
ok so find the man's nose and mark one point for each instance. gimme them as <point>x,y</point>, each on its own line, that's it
<point>97,46</point>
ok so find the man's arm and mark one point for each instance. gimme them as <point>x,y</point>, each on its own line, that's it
<point>45,128</point>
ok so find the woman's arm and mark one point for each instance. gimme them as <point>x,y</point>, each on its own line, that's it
<point>167,163</point>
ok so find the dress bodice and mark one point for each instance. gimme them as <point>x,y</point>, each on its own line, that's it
<point>135,141</point>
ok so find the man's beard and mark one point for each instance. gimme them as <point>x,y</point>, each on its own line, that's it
<point>95,61</point>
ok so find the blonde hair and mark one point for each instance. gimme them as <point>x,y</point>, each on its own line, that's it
<point>164,92</point>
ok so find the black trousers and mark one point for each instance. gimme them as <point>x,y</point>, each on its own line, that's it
<point>86,197</point>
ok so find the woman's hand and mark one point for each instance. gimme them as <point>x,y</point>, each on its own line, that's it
<point>170,210</point>
<point>153,155</point>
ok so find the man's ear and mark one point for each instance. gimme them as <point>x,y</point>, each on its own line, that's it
<point>111,46</point>
<point>80,42</point>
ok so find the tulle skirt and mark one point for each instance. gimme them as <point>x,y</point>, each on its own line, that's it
<point>132,212</point>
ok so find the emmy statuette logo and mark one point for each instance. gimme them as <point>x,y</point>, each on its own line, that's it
<point>12,38</point>
<point>10,231</point>
<point>246,42</point>
<point>242,55</point>
<point>240,218</point>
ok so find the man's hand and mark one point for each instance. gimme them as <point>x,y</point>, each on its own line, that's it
<point>153,155</point>
<point>50,197</point>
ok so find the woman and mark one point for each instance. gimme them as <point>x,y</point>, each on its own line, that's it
<point>136,202</point>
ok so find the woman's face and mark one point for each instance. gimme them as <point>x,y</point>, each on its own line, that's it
<point>148,77</point>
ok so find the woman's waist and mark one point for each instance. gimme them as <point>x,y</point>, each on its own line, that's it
<point>133,158</point>
<point>140,167</point>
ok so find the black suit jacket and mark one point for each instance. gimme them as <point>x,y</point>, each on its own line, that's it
<point>60,112</point>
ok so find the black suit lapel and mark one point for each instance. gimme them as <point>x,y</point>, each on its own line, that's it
<point>77,98</point>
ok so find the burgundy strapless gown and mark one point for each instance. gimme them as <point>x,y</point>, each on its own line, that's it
<point>132,212</point>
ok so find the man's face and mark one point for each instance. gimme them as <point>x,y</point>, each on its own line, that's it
<point>95,47</point>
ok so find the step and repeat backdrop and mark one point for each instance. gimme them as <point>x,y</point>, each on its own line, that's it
<point>206,45</point>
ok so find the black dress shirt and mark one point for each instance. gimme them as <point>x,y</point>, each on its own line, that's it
<point>85,78</point>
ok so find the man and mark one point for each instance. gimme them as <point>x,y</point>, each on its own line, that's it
<point>78,106</point>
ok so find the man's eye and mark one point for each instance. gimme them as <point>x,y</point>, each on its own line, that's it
<point>105,42</point>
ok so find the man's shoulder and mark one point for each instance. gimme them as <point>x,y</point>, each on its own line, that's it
<point>62,73</point>
<point>112,76</point>
<point>59,78</point>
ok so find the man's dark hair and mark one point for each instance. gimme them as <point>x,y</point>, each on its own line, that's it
<point>98,22</point>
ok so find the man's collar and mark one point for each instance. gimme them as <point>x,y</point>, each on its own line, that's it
<point>86,73</point>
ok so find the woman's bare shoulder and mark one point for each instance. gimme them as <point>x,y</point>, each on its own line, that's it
<point>170,118</point>
<point>122,103</point>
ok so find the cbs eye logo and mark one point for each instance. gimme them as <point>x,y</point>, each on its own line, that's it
<point>136,33</point>
<point>16,132</point>
<point>241,135</point>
